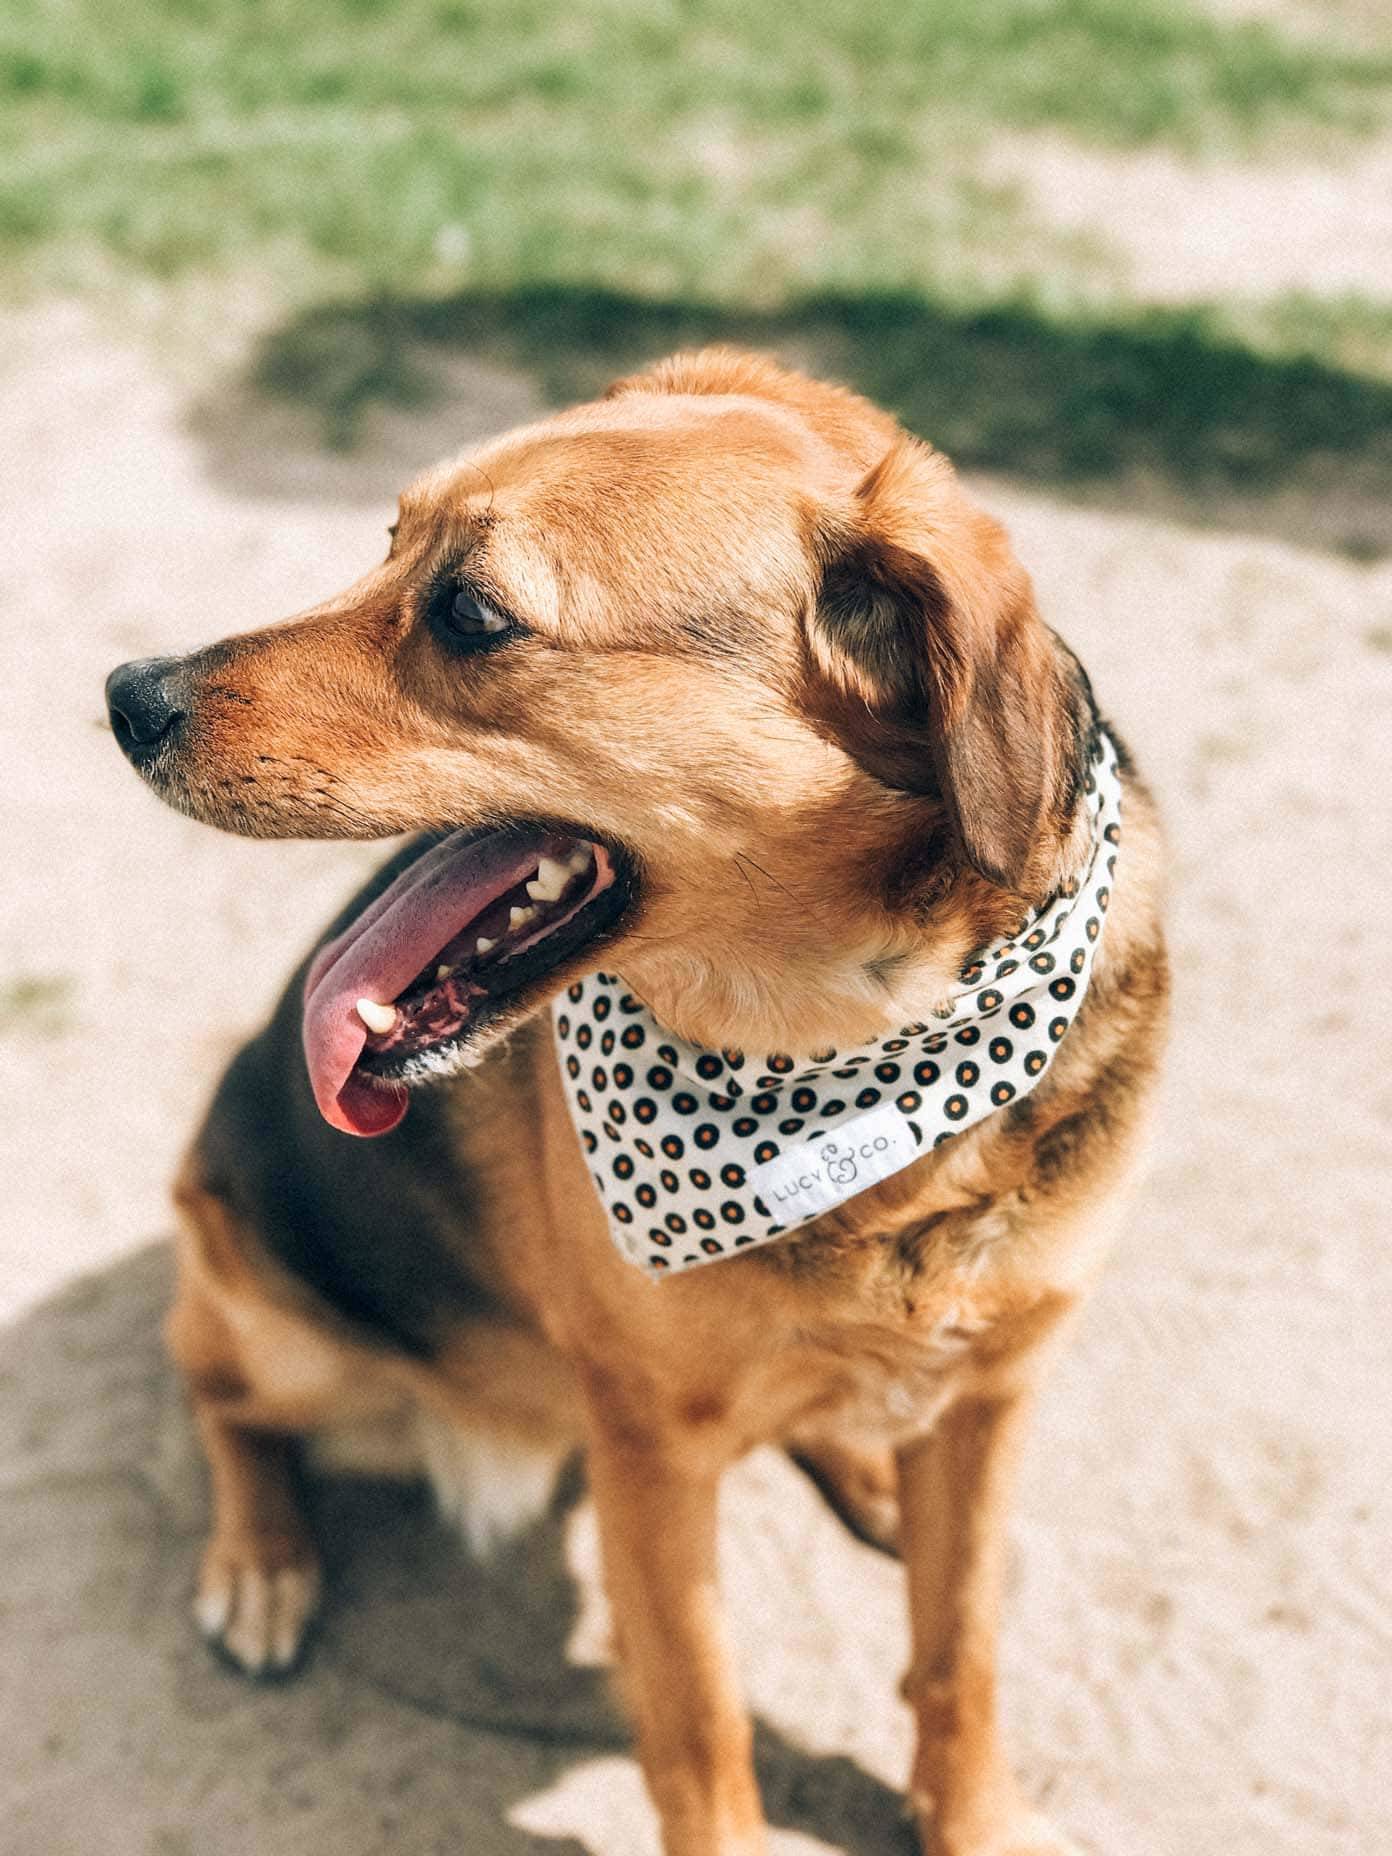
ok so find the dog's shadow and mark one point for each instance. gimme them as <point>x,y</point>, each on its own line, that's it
<point>440,1709</point>
<point>499,1635</point>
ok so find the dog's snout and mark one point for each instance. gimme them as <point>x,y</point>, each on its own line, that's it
<point>146,701</point>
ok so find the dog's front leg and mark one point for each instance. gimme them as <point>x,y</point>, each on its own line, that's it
<point>657,1523</point>
<point>954,1488</point>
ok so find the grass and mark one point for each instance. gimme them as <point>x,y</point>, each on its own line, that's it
<point>576,185</point>
<point>729,149</point>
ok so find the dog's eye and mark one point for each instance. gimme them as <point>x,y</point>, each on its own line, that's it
<point>467,620</point>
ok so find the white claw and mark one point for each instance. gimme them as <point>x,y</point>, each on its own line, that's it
<point>378,1018</point>
<point>518,918</point>
<point>484,945</point>
<point>212,1610</point>
<point>550,879</point>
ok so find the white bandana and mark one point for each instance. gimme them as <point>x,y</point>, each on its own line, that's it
<point>698,1154</point>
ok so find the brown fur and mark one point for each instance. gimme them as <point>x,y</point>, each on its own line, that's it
<point>776,652</point>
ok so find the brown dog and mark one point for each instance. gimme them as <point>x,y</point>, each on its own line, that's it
<point>738,659</point>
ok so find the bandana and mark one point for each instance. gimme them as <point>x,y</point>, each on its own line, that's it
<point>699,1154</point>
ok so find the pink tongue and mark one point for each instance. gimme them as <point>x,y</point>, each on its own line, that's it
<point>379,955</point>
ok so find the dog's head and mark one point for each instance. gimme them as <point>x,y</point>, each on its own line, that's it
<point>721,675</point>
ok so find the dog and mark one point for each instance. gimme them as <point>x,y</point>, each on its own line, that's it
<point>714,704</point>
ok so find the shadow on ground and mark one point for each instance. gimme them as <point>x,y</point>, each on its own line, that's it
<point>438,1699</point>
<point>1160,412</point>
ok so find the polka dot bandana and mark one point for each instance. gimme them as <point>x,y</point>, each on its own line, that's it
<point>699,1154</point>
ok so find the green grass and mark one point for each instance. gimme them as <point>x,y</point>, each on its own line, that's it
<point>575,184</point>
<point>735,148</point>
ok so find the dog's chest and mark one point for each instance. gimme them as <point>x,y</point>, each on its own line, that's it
<point>877,1378</point>
<point>880,1339</point>
<point>887,1389</point>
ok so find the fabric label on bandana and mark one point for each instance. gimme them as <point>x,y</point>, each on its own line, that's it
<point>805,1181</point>
<point>698,1154</point>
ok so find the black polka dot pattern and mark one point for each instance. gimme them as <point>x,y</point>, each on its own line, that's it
<point>678,1138</point>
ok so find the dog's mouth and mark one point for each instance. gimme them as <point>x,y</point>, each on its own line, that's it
<point>465,937</point>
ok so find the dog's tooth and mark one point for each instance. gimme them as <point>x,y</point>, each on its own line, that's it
<point>443,973</point>
<point>582,858</point>
<point>519,918</point>
<point>550,879</point>
<point>377,1017</point>
<point>483,945</point>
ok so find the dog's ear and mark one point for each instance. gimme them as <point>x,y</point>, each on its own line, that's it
<point>936,672</point>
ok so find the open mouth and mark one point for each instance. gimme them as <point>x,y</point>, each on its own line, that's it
<point>465,936</point>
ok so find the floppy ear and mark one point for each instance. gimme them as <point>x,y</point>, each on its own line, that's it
<point>938,674</point>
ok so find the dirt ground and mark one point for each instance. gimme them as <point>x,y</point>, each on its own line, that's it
<point>1172,225</point>
<point>1200,1639</point>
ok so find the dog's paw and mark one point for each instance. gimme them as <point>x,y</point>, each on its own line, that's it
<point>861,1487</point>
<point>255,1603</point>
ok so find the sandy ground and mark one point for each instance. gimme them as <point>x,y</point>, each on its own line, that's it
<point>1177,228</point>
<point>1361,23</point>
<point>1200,1643</point>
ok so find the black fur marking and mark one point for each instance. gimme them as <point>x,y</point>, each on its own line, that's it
<point>376,1229</point>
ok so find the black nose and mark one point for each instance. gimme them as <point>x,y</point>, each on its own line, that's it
<point>146,701</point>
